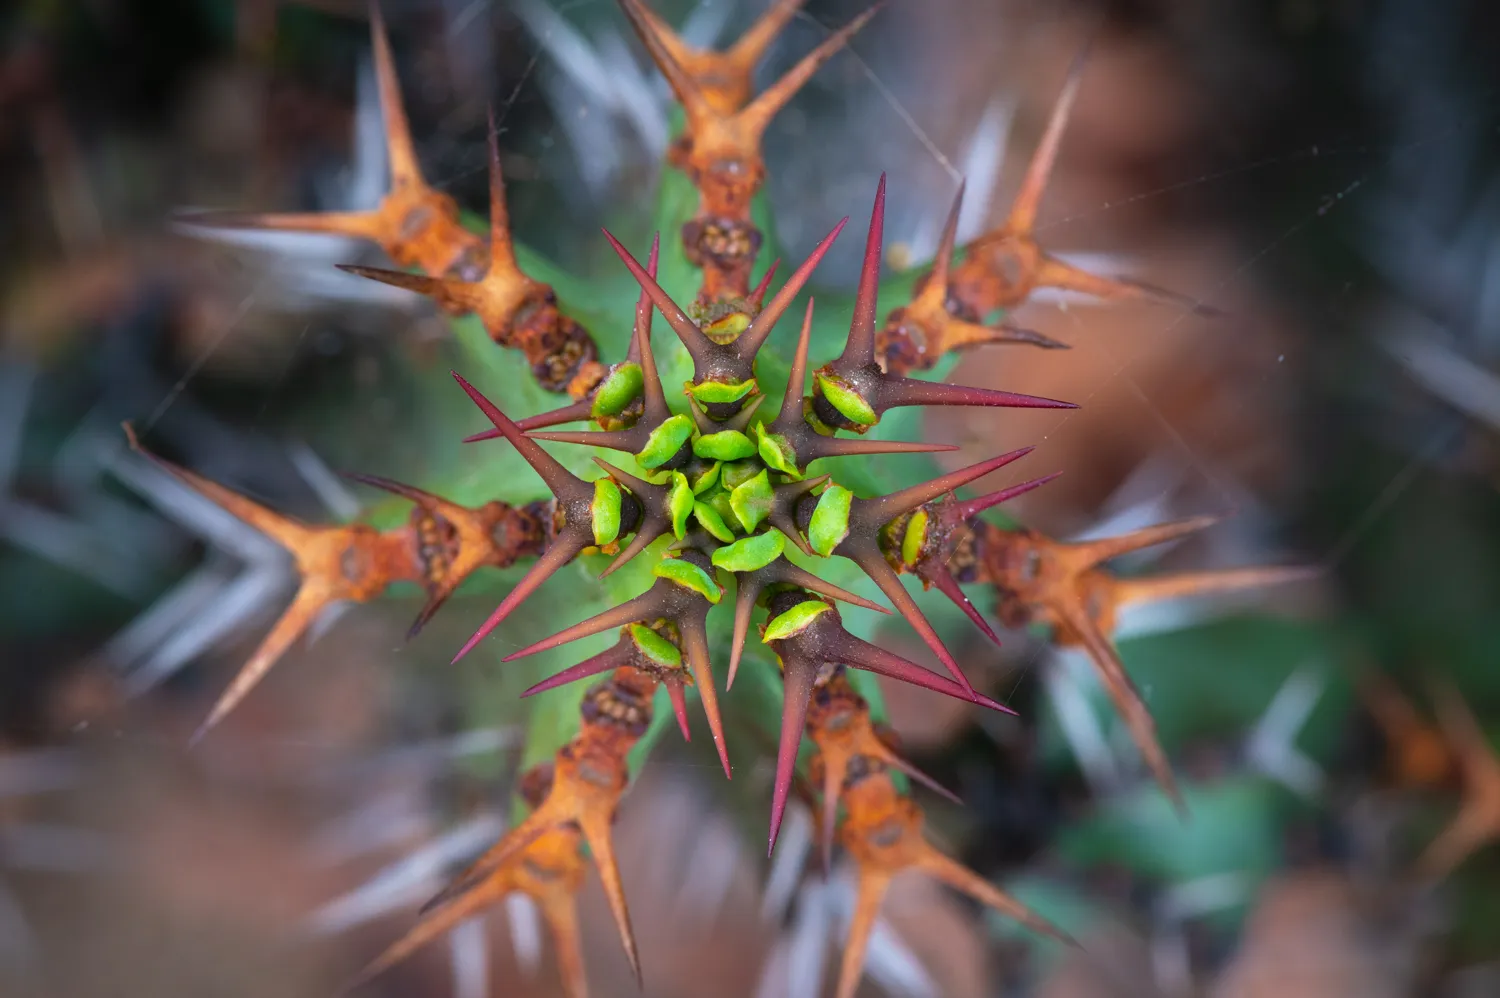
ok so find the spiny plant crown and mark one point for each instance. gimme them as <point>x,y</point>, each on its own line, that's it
<point>711,484</point>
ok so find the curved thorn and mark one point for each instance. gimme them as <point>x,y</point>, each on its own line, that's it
<point>966,881</point>
<point>354,224</point>
<point>655,400</point>
<point>747,590</point>
<point>834,771</point>
<point>596,832</point>
<point>1006,333</point>
<point>620,440</point>
<point>582,409</point>
<point>1127,698</point>
<point>692,99</point>
<point>502,251</point>
<point>1138,589</point>
<point>643,539</point>
<point>872,888</point>
<point>427,929</point>
<point>820,447</point>
<point>801,577</point>
<point>432,287</point>
<point>740,420</point>
<point>424,499</point>
<point>634,484</point>
<point>293,623</point>
<point>752,45</point>
<point>1105,548</point>
<point>429,609</point>
<point>700,418</point>
<point>1055,273</point>
<point>292,534</point>
<point>896,762</point>
<point>490,434</point>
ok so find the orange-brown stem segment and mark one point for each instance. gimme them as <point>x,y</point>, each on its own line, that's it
<point>419,227</point>
<point>918,335</point>
<point>346,562</point>
<point>1064,585</point>
<point>516,311</point>
<point>452,542</point>
<point>589,776</point>
<point>882,832</point>
<point>416,225</point>
<point>550,871</point>
<point>1477,823</point>
<point>838,722</point>
<point>725,79</point>
<point>719,148</point>
<point>1419,756</point>
<point>1003,267</point>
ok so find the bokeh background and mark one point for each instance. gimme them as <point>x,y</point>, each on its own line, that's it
<point>1324,170</point>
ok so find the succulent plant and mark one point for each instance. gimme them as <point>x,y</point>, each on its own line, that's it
<point>712,486</point>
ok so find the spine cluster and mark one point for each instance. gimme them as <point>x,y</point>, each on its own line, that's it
<point>720,487</point>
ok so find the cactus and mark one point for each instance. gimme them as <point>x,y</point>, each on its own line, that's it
<point>694,491</point>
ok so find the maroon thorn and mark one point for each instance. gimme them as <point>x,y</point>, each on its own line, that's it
<point>760,327</point>
<point>679,706</point>
<point>868,557</point>
<point>939,576</point>
<point>697,344</point>
<point>873,513</point>
<point>563,549</point>
<point>797,679</point>
<point>758,296</point>
<point>896,392</point>
<point>646,606</point>
<point>859,350</point>
<point>560,480</point>
<point>969,507</point>
<point>611,658</point>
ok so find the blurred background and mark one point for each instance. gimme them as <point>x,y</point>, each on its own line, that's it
<point>1326,171</point>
